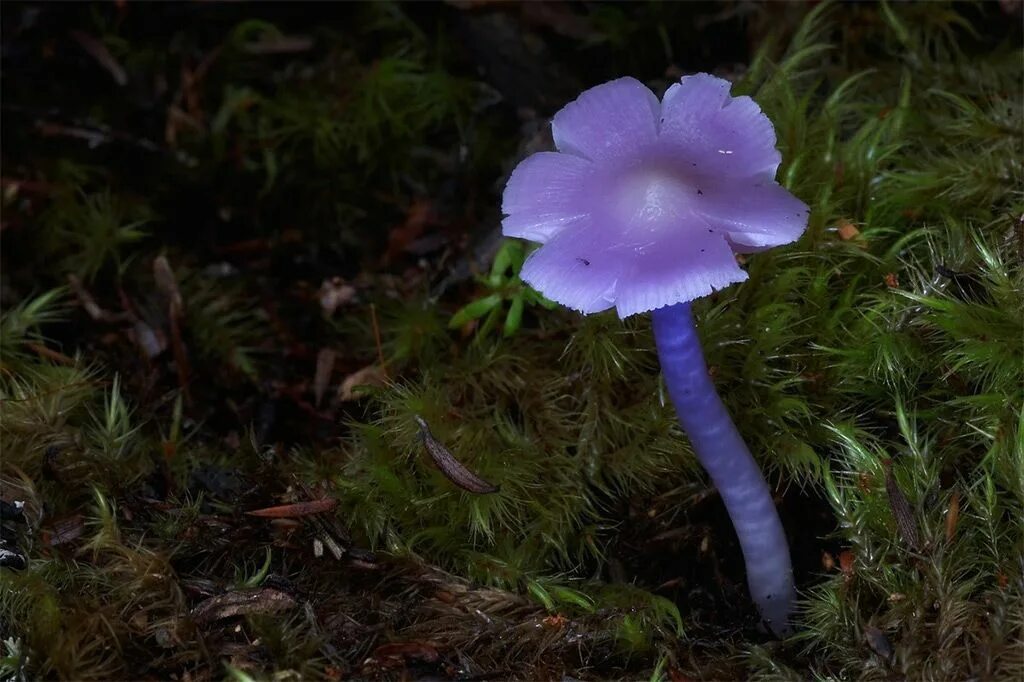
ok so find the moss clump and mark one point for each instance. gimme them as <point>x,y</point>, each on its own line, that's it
<point>875,367</point>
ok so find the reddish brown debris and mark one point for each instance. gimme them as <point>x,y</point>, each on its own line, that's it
<point>416,221</point>
<point>295,510</point>
<point>847,230</point>
<point>50,354</point>
<point>952,515</point>
<point>846,564</point>
<point>420,651</point>
<point>555,621</point>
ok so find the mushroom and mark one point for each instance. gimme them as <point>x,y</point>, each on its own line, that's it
<point>643,208</point>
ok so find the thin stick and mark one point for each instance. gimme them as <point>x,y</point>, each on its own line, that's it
<point>376,339</point>
<point>50,354</point>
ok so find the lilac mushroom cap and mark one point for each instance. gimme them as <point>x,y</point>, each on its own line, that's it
<point>646,202</point>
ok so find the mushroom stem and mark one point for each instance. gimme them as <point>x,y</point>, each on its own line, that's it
<point>728,461</point>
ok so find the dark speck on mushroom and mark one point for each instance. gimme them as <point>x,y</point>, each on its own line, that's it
<point>584,261</point>
<point>699,193</point>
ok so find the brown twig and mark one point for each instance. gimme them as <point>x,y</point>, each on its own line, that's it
<point>376,340</point>
<point>952,516</point>
<point>98,51</point>
<point>167,283</point>
<point>295,510</point>
<point>49,354</point>
<point>92,308</point>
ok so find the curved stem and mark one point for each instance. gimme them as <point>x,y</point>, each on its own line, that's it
<point>732,468</point>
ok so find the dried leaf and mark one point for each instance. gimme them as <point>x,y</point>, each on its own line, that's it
<point>178,349</point>
<point>334,293</point>
<point>322,377</point>
<point>367,376</point>
<point>415,223</point>
<point>294,510</point>
<point>152,342</point>
<point>901,509</point>
<point>562,18</point>
<point>166,282</point>
<point>280,44</point>
<point>846,565</point>
<point>847,230</point>
<point>89,303</point>
<point>418,651</point>
<point>453,470</point>
<point>101,54</point>
<point>878,642</point>
<point>50,354</point>
<point>66,530</point>
<point>676,675</point>
<point>952,515</point>
<point>242,602</point>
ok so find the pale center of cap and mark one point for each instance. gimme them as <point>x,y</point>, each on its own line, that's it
<point>647,200</point>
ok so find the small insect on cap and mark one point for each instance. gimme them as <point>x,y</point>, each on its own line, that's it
<point>646,202</point>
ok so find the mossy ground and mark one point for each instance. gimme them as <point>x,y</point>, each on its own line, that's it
<point>216,215</point>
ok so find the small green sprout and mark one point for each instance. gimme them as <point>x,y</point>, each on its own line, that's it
<point>555,597</point>
<point>90,231</point>
<point>504,285</point>
<point>21,327</point>
<point>13,660</point>
<point>257,578</point>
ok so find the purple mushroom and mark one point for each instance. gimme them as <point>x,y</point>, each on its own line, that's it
<point>643,208</point>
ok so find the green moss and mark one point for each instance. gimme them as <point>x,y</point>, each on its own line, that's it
<point>88,232</point>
